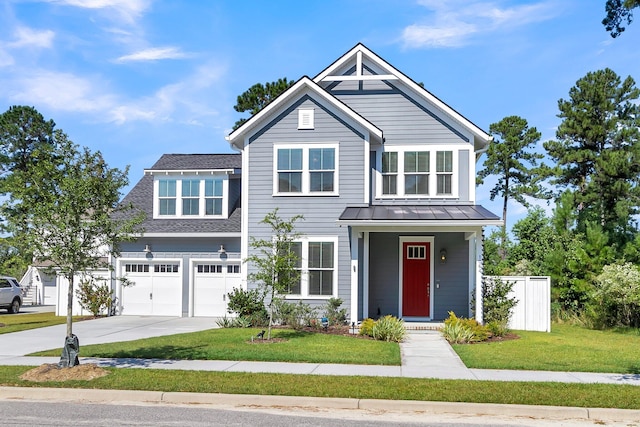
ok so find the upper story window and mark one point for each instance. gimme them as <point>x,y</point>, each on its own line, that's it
<point>167,196</point>
<point>190,197</point>
<point>407,173</point>
<point>306,170</point>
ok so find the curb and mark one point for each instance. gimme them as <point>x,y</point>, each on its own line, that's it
<point>248,400</point>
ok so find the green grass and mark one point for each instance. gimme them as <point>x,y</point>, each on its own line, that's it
<point>22,322</point>
<point>235,344</point>
<point>565,348</point>
<point>555,394</point>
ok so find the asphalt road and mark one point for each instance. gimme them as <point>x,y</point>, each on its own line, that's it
<point>37,413</point>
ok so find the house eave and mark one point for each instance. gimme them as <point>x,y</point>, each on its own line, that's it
<point>418,223</point>
<point>191,235</point>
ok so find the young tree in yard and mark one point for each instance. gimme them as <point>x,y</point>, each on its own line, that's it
<point>506,158</point>
<point>63,203</point>
<point>597,152</point>
<point>275,259</point>
<point>259,96</point>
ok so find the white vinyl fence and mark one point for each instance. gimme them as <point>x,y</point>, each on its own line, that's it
<point>533,310</point>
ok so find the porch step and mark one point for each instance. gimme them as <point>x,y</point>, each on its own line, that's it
<point>423,326</point>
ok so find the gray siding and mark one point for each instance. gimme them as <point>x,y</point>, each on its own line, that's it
<point>451,287</point>
<point>320,212</point>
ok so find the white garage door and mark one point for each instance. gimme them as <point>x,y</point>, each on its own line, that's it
<point>157,289</point>
<point>211,283</point>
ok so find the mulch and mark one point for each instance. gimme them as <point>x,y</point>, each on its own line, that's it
<point>51,372</point>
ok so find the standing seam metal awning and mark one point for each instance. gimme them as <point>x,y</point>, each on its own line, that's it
<point>426,215</point>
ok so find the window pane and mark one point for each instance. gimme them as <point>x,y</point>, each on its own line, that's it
<point>389,162</point>
<point>190,206</point>
<point>213,207</point>
<point>321,158</point>
<point>190,188</point>
<point>167,206</point>
<point>416,184</point>
<point>444,184</point>
<point>167,188</point>
<point>327,255</point>
<point>320,282</point>
<point>290,159</point>
<point>444,161</point>
<point>389,184</point>
<point>422,161</point>
<point>410,161</point>
<point>213,188</point>
<point>289,182</point>
<point>320,254</point>
<point>321,181</point>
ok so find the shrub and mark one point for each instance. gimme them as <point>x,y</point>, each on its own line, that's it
<point>458,330</point>
<point>334,314</point>
<point>389,328</point>
<point>297,315</point>
<point>616,298</point>
<point>366,327</point>
<point>245,303</point>
<point>225,322</point>
<point>93,297</point>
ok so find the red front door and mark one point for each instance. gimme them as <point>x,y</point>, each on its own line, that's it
<point>416,289</point>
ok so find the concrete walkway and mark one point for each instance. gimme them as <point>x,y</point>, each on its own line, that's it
<point>425,354</point>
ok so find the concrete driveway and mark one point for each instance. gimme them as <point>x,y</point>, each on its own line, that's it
<point>100,331</point>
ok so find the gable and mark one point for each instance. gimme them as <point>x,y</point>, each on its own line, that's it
<point>361,73</point>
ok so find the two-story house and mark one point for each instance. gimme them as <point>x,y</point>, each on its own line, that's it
<point>382,171</point>
<point>384,174</point>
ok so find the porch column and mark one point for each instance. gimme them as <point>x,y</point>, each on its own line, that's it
<point>479,272</point>
<point>353,236</point>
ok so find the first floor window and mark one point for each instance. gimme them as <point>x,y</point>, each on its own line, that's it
<point>320,268</point>
<point>316,268</point>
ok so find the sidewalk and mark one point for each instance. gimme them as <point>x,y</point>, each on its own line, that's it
<point>425,354</point>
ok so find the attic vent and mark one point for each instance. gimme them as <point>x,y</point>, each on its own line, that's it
<point>305,119</point>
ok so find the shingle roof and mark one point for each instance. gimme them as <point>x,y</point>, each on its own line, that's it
<point>198,161</point>
<point>141,195</point>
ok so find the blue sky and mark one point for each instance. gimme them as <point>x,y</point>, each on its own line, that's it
<point>139,78</point>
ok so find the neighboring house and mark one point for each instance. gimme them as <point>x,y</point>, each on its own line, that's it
<point>384,174</point>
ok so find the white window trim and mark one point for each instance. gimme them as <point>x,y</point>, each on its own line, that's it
<point>306,173</point>
<point>304,276</point>
<point>201,196</point>
<point>433,181</point>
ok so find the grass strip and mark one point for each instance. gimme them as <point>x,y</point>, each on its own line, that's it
<point>22,322</point>
<point>526,393</point>
<point>565,348</point>
<point>236,344</point>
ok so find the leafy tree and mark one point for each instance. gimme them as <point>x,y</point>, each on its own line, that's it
<point>597,153</point>
<point>506,158</point>
<point>534,239</point>
<point>275,259</point>
<point>617,296</point>
<point>63,202</point>
<point>259,96</point>
<point>618,11</point>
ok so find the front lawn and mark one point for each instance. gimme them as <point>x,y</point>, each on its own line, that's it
<point>565,348</point>
<point>22,322</point>
<point>235,344</point>
<point>526,393</point>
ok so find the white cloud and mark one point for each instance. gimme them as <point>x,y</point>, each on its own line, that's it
<point>154,54</point>
<point>59,91</point>
<point>186,101</point>
<point>454,23</point>
<point>27,37</point>
<point>129,10</point>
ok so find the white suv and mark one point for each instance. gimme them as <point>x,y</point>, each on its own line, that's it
<point>10,294</point>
